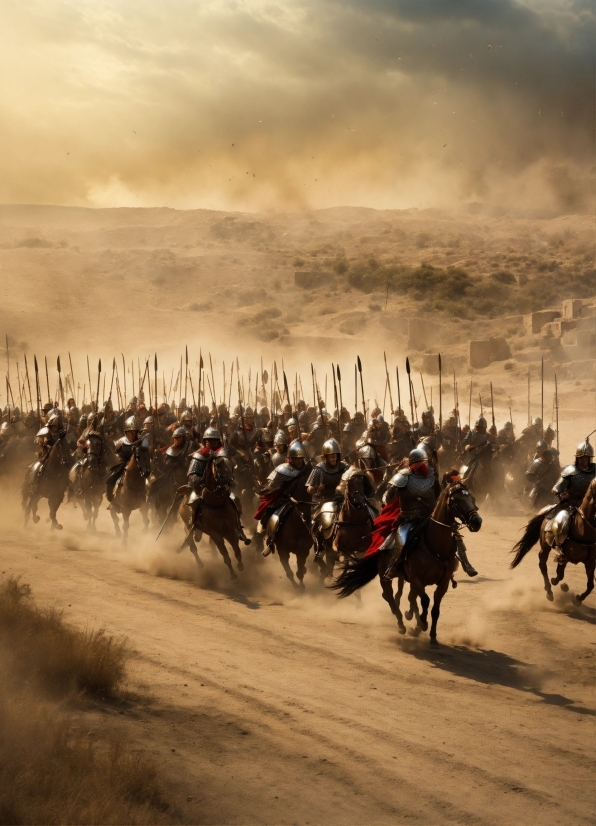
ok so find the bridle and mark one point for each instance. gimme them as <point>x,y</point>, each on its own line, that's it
<point>453,507</point>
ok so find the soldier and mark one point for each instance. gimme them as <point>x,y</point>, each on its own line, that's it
<point>417,487</point>
<point>359,424</point>
<point>570,489</point>
<point>110,421</point>
<point>47,437</point>
<point>249,439</point>
<point>280,483</point>
<point>401,443</point>
<point>319,433</point>
<point>477,439</point>
<point>279,454</point>
<point>506,436</point>
<point>542,475</point>
<point>125,448</point>
<point>450,441</point>
<point>372,452</point>
<point>322,484</point>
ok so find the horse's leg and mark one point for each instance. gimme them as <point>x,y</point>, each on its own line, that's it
<point>144,509</point>
<point>54,503</point>
<point>116,521</point>
<point>560,575</point>
<point>590,564</point>
<point>220,545</point>
<point>125,525</point>
<point>440,592</point>
<point>284,558</point>
<point>232,539</point>
<point>386,584</point>
<point>193,549</point>
<point>542,564</point>
<point>301,567</point>
<point>400,620</point>
<point>414,612</point>
<point>425,602</point>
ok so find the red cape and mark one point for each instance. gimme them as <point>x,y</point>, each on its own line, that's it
<point>266,501</point>
<point>383,525</point>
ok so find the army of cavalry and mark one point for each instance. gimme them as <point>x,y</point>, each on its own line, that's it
<point>371,495</point>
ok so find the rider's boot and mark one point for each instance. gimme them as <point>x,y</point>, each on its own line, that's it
<point>319,545</point>
<point>269,547</point>
<point>462,555</point>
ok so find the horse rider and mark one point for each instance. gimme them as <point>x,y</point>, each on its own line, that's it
<point>212,451</point>
<point>542,475</point>
<point>570,488</point>
<point>450,440</point>
<point>319,433</point>
<point>373,452</point>
<point>276,493</point>
<point>322,484</point>
<point>279,454</point>
<point>125,448</point>
<point>111,422</point>
<point>51,433</point>
<point>417,488</point>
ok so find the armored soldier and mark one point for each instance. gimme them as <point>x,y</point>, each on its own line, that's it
<point>400,444</point>
<point>279,454</point>
<point>125,448</point>
<point>319,434</point>
<point>280,483</point>
<point>542,475</point>
<point>111,422</point>
<point>322,484</point>
<point>249,439</point>
<point>450,440</point>
<point>47,437</point>
<point>506,436</point>
<point>476,440</point>
<point>372,452</point>
<point>417,488</point>
<point>571,488</point>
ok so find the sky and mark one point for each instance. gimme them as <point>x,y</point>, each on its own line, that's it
<point>255,105</point>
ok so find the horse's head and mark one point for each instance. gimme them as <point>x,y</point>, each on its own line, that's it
<point>222,472</point>
<point>462,505</point>
<point>355,490</point>
<point>143,459</point>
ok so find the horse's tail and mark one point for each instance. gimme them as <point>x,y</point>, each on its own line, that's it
<point>528,540</point>
<point>356,574</point>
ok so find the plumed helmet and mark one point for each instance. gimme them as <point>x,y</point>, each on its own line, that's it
<point>330,447</point>
<point>186,416</point>
<point>280,438</point>
<point>417,455</point>
<point>585,449</point>
<point>296,451</point>
<point>179,433</point>
<point>537,421</point>
<point>211,433</point>
<point>132,423</point>
<point>480,422</point>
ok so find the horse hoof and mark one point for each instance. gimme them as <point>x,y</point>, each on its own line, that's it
<point>401,629</point>
<point>234,576</point>
<point>408,615</point>
<point>434,641</point>
<point>415,632</point>
<point>35,519</point>
<point>554,581</point>
<point>577,600</point>
<point>549,596</point>
<point>57,526</point>
<point>240,565</point>
<point>424,625</point>
<point>564,586</point>
<point>247,541</point>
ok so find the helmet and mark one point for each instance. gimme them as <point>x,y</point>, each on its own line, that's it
<point>6,429</point>
<point>480,422</point>
<point>348,427</point>
<point>537,421</point>
<point>91,416</point>
<point>211,433</point>
<point>292,422</point>
<point>54,420</point>
<point>508,426</point>
<point>323,417</point>
<point>427,414</point>
<point>541,447</point>
<point>375,412</point>
<point>147,421</point>
<point>83,421</point>
<point>132,423</point>
<point>186,416</point>
<point>179,433</point>
<point>585,449</point>
<point>330,447</point>
<point>296,451</point>
<point>280,438</point>
<point>417,455</point>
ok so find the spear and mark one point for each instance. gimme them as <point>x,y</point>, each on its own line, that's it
<point>155,388</point>
<point>355,390</point>
<point>492,403</point>
<point>28,382</point>
<point>103,391</point>
<point>529,414</point>
<point>213,388</point>
<point>542,396</point>
<point>112,381</point>
<point>341,401</point>
<point>200,381</point>
<point>19,382</point>
<point>557,410</point>
<point>423,389</point>
<point>231,377</point>
<point>47,377</point>
<point>60,382</point>
<point>470,406</point>
<point>388,382</point>
<point>72,384</point>
<point>410,386</point>
<point>440,394</point>
<point>398,388</point>
<point>336,400</point>
<point>185,376</point>
<point>89,377</point>
<point>481,408</point>
<point>361,385</point>
<point>286,390</point>
<point>314,395</point>
<point>98,378</point>
<point>132,375</point>
<point>8,363</point>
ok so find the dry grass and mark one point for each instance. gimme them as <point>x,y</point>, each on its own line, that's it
<point>53,768</point>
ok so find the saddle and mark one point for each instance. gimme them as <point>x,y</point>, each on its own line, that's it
<point>325,517</point>
<point>556,529</point>
<point>277,518</point>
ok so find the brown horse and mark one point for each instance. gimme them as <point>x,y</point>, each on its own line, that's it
<point>216,515</point>
<point>47,479</point>
<point>351,530</point>
<point>294,537</point>
<point>430,561</point>
<point>88,480</point>
<point>131,492</point>
<point>580,545</point>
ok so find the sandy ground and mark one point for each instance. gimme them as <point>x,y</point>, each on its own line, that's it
<point>267,707</point>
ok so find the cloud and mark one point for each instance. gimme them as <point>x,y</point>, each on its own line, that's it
<point>247,105</point>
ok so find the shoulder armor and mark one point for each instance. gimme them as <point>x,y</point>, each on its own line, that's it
<point>145,443</point>
<point>367,452</point>
<point>43,432</point>
<point>400,480</point>
<point>198,456</point>
<point>287,470</point>
<point>570,470</point>
<point>174,451</point>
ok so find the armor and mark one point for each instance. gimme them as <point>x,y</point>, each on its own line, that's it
<point>584,449</point>
<point>574,482</point>
<point>480,422</point>
<point>280,438</point>
<point>132,423</point>
<point>211,433</point>
<point>328,477</point>
<point>417,494</point>
<point>330,447</point>
<point>278,458</point>
<point>296,451</point>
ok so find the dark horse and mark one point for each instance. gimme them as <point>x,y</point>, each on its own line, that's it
<point>47,479</point>
<point>131,492</point>
<point>293,535</point>
<point>215,515</point>
<point>580,545</point>
<point>351,530</point>
<point>430,561</point>
<point>88,479</point>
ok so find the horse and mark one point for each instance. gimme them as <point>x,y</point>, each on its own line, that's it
<point>47,479</point>
<point>88,479</point>
<point>293,535</point>
<point>130,492</point>
<point>430,561</point>
<point>483,475</point>
<point>163,488</point>
<point>579,546</point>
<point>351,528</point>
<point>216,515</point>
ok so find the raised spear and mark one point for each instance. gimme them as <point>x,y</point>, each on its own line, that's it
<point>89,377</point>
<point>60,382</point>
<point>72,383</point>
<point>335,397</point>
<point>314,395</point>
<point>355,390</point>
<point>185,376</point>
<point>398,389</point>
<point>410,386</point>
<point>98,379</point>
<point>37,389</point>
<point>155,388</point>
<point>47,377</point>
<point>231,377</point>
<point>8,362</point>
<point>557,410</point>
<point>423,389</point>
<point>440,395</point>
<point>19,383</point>
<point>388,383</point>
<point>112,381</point>
<point>341,401</point>
<point>529,414</point>
<point>470,406</point>
<point>361,385</point>
<point>492,405</point>
<point>28,382</point>
<point>542,396</point>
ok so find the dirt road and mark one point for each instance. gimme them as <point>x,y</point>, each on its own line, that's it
<point>272,708</point>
